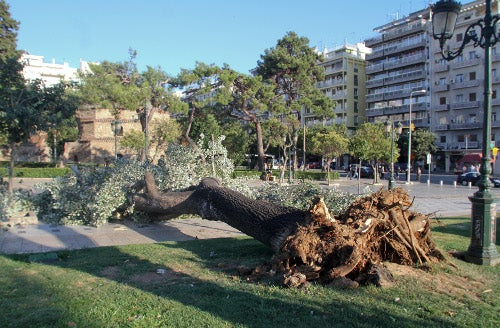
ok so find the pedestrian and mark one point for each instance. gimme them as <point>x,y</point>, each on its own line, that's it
<point>419,173</point>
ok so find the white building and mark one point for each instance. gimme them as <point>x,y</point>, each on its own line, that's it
<point>50,73</point>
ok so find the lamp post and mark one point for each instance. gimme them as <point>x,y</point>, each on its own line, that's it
<point>116,127</point>
<point>408,167</point>
<point>390,128</point>
<point>482,249</point>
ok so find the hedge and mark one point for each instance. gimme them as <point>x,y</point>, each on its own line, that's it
<point>301,175</point>
<point>30,172</point>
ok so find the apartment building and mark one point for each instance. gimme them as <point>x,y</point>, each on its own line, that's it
<point>50,73</point>
<point>457,92</point>
<point>405,58</point>
<point>344,83</point>
<point>397,69</point>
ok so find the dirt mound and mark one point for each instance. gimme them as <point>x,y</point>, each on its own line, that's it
<point>348,250</point>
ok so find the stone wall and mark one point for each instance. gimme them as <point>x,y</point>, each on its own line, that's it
<point>96,142</point>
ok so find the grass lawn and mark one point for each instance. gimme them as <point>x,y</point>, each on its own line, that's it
<point>198,287</point>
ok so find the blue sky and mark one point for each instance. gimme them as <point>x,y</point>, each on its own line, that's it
<point>175,34</point>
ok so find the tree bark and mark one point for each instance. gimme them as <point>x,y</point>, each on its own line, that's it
<point>268,223</point>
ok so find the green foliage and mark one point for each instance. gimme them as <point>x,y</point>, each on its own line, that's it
<point>371,143</point>
<point>134,140</point>
<point>423,143</point>
<point>99,194</point>
<point>237,142</point>
<point>304,194</point>
<point>36,172</point>
<point>8,36</point>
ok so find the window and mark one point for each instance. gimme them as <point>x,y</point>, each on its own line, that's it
<point>459,37</point>
<point>494,116</point>
<point>355,120</point>
<point>442,81</point>
<point>494,72</point>
<point>459,78</point>
<point>472,76</point>
<point>355,106</point>
<point>355,80</point>
<point>460,98</point>
<point>493,94</point>
<point>442,101</point>
<point>472,118</point>
<point>355,92</point>
<point>472,96</point>
<point>442,139</point>
<point>472,55</point>
<point>460,58</point>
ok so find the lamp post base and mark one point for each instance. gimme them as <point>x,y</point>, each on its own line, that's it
<point>392,183</point>
<point>482,249</point>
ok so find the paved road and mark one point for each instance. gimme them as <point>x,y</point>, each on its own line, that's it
<point>442,201</point>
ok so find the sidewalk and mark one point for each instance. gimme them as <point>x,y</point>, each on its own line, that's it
<point>440,201</point>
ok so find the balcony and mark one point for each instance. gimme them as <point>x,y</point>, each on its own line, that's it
<point>440,108</point>
<point>374,97</point>
<point>465,84</point>
<point>466,63</point>
<point>405,61</point>
<point>374,112</point>
<point>375,54</point>
<point>441,88</point>
<point>336,69</point>
<point>405,77</point>
<point>441,68</point>
<point>465,105</point>
<point>400,32</point>
<point>441,127</point>
<point>374,83</point>
<point>374,68</point>
<point>465,126</point>
<point>495,102</point>
<point>401,48</point>
<point>339,95</point>
<point>330,83</point>
<point>371,41</point>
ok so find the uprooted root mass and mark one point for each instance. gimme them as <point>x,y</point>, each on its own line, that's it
<point>350,249</point>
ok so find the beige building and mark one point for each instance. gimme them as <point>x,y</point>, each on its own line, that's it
<point>406,58</point>
<point>96,139</point>
<point>345,84</point>
<point>457,89</point>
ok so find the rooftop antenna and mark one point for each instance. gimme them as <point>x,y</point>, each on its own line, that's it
<point>395,16</point>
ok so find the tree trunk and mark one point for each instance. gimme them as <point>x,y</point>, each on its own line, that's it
<point>12,149</point>
<point>260,144</point>
<point>270,224</point>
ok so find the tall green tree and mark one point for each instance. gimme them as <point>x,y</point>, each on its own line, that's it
<point>197,85</point>
<point>292,68</point>
<point>330,143</point>
<point>8,34</point>
<point>371,143</point>
<point>423,143</point>
<point>249,100</point>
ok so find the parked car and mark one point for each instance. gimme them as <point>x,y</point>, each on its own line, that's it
<point>465,178</point>
<point>367,172</point>
<point>495,182</point>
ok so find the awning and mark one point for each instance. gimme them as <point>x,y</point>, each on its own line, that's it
<point>470,159</point>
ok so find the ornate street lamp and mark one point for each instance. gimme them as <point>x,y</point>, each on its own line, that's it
<point>408,167</point>
<point>390,128</point>
<point>117,128</point>
<point>482,249</point>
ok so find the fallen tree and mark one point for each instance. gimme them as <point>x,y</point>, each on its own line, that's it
<point>309,245</point>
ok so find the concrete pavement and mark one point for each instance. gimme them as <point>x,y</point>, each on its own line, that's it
<point>441,201</point>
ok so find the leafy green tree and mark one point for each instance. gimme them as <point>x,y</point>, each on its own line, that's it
<point>198,87</point>
<point>165,131</point>
<point>8,36</point>
<point>292,68</point>
<point>371,143</point>
<point>237,141</point>
<point>247,99</point>
<point>330,143</point>
<point>423,143</point>
<point>134,140</point>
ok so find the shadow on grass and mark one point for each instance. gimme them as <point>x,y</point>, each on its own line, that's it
<point>461,228</point>
<point>195,278</point>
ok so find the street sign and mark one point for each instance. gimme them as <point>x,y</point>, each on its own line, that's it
<point>429,158</point>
